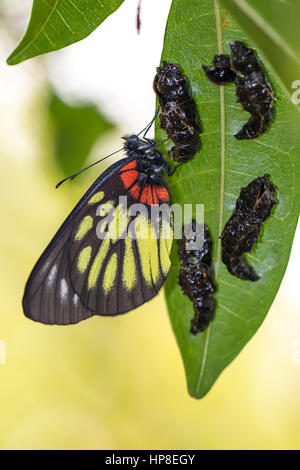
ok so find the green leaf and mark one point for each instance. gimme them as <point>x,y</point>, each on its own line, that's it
<point>274,28</point>
<point>76,129</point>
<point>196,31</point>
<point>57,23</point>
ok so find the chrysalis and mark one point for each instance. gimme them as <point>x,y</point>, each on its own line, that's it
<point>252,88</point>
<point>178,117</point>
<point>252,208</point>
<point>196,278</point>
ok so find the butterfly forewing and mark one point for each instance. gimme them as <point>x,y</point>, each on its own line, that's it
<point>105,259</point>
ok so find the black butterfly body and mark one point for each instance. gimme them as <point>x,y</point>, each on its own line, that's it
<point>97,263</point>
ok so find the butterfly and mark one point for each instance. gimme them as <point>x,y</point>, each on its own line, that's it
<point>107,258</point>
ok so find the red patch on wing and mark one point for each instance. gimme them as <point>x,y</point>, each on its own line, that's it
<point>146,196</point>
<point>162,193</point>
<point>155,198</point>
<point>129,177</point>
<point>150,197</point>
<point>135,191</point>
<point>129,166</point>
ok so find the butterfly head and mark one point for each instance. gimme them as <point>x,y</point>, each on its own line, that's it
<point>146,152</point>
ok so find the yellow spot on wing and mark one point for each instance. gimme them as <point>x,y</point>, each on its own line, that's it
<point>96,198</point>
<point>84,227</point>
<point>84,259</point>
<point>129,269</point>
<point>119,223</point>
<point>104,209</point>
<point>110,273</point>
<point>167,234</point>
<point>166,240</point>
<point>98,262</point>
<point>164,257</point>
<point>148,250</point>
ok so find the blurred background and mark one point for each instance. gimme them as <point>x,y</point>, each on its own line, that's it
<point>112,382</point>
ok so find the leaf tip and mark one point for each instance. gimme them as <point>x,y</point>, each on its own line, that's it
<point>11,60</point>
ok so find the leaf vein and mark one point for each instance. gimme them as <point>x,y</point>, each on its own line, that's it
<point>64,21</point>
<point>32,42</point>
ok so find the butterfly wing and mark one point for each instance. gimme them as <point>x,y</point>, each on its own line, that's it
<point>96,264</point>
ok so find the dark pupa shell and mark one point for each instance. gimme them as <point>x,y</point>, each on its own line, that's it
<point>253,91</point>
<point>240,233</point>
<point>196,277</point>
<point>178,117</point>
<point>220,72</point>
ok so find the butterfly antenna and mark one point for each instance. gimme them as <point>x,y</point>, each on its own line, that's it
<point>175,168</point>
<point>71,177</point>
<point>162,142</point>
<point>146,129</point>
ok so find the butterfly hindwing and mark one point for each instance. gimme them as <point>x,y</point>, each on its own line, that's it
<point>81,274</point>
<point>49,297</point>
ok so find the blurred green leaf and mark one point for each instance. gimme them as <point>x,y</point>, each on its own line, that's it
<point>57,23</point>
<point>196,31</point>
<point>274,28</point>
<point>76,129</point>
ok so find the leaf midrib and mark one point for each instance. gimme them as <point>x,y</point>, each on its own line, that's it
<point>222,183</point>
